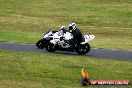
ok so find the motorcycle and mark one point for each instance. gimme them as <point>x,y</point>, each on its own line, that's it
<point>54,40</point>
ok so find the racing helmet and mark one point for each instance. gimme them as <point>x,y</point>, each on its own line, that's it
<point>72,27</point>
<point>63,28</point>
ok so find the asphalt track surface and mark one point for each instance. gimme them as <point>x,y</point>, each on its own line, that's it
<point>96,53</point>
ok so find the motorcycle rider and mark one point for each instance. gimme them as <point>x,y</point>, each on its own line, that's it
<point>77,35</point>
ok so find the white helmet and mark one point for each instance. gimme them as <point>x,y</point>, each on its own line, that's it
<point>63,27</point>
<point>62,30</point>
<point>72,27</point>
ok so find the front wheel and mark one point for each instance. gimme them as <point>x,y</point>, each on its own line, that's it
<point>50,47</point>
<point>40,44</point>
<point>83,49</point>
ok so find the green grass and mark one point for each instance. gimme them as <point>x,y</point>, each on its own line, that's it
<point>109,20</point>
<point>30,70</point>
<point>18,37</point>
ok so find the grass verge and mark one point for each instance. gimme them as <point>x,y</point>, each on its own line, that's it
<point>24,70</point>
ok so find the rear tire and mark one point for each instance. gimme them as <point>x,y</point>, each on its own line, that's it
<point>83,49</point>
<point>50,47</point>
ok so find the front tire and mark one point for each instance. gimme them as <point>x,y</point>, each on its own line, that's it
<point>83,49</point>
<point>50,47</point>
<point>40,44</point>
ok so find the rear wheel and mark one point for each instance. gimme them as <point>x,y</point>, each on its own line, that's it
<point>50,47</point>
<point>83,49</point>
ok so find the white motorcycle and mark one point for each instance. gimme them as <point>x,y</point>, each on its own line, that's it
<point>57,41</point>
